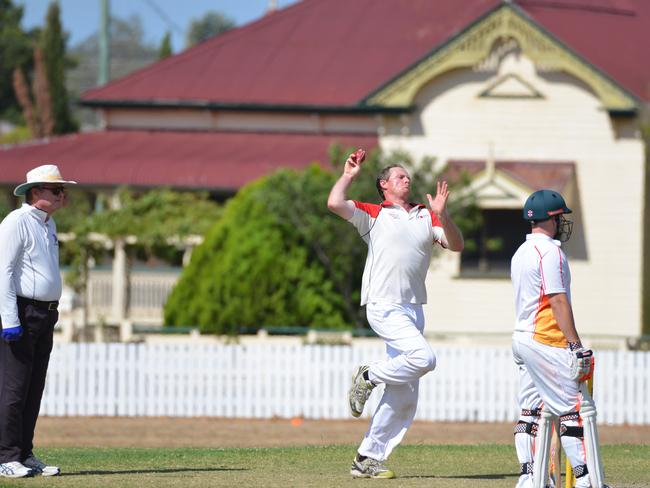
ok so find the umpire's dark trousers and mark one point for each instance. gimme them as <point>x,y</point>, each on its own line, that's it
<point>23,367</point>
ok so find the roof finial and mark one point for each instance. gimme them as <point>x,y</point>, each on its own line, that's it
<point>272,6</point>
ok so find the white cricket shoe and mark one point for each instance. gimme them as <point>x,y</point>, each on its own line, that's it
<point>39,467</point>
<point>14,469</point>
<point>370,468</point>
<point>359,391</point>
<point>587,483</point>
<point>584,482</point>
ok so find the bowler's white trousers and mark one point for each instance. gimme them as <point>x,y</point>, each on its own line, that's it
<point>410,356</point>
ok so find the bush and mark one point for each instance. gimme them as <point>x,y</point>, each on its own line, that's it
<point>256,267</point>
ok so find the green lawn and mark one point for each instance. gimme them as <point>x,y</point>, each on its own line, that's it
<point>416,466</point>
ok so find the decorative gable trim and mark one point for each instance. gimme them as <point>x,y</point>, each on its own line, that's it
<point>510,86</point>
<point>507,184</point>
<point>474,44</point>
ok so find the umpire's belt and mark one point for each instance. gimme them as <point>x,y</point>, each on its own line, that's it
<point>39,303</point>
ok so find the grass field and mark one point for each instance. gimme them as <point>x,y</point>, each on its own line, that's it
<point>491,465</point>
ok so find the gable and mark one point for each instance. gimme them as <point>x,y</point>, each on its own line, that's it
<point>474,46</point>
<point>507,184</point>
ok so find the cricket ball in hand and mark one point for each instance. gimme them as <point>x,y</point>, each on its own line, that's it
<point>360,155</point>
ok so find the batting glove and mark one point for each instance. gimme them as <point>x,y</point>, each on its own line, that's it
<point>582,364</point>
<point>12,334</point>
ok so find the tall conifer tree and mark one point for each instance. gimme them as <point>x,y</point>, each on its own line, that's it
<point>165,49</point>
<point>15,51</point>
<point>53,48</point>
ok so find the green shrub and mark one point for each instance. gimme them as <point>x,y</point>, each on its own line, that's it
<point>255,267</point>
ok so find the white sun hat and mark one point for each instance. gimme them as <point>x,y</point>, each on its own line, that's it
<point>47,173</point>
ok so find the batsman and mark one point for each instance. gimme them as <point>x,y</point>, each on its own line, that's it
<point>400,236</point>
<point>553,364</point>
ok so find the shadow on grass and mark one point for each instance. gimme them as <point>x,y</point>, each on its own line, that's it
<point>465,477</point>
<point>149,471</point>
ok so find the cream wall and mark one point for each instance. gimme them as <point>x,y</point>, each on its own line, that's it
<point>232,120</point>
<point>567,123</point>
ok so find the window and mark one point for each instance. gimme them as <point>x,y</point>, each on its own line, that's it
<point>489,249</point>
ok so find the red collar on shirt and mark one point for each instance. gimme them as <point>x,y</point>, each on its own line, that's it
<point>388,203</point>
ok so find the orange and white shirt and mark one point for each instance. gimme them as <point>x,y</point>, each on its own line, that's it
<point>400,245</point>
<point>539,268</point>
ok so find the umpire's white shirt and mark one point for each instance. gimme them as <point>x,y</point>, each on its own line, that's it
<point>400,245</point>
<point>29,260</point>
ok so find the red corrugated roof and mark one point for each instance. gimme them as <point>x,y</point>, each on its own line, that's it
<point>613,35</point>
<point>336,52</point>
<point>180,159</point>
<point>316,52</point>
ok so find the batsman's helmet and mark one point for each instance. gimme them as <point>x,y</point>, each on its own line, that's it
<point>543,205</point>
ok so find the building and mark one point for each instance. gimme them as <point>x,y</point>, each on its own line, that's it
<point>520,94</point>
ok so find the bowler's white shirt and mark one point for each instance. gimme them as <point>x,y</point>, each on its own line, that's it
<point>539,268</point>
<point>400,245</point>
<point>29,260</point>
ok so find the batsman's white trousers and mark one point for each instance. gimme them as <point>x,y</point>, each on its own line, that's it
<point>545,371</point>
<point>410,356</point>
<point>545,379</point>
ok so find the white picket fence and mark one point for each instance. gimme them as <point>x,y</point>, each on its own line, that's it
<point>274,380</point>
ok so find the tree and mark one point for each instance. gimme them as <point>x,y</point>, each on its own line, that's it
<point>278,257</point>
<point>15,51</point>
<point>158,219</point>
<point>21,89</point>
<point>79,250</point>
<point>165,49</point>
<point>253,270</point>
<point>129,52</point>
<point>37,113</point>
<point>52,44</point>
<point>211,24</point>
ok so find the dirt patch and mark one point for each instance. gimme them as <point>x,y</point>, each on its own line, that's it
<point>220,432</point>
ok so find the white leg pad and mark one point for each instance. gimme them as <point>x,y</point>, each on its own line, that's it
<point>592,443</point>
<point>542,449</point>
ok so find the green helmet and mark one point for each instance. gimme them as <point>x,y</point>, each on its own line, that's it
<point>543,205</point>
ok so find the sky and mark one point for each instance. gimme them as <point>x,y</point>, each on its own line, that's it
<point>80,18</point>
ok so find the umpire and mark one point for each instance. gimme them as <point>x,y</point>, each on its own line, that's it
<point>30,287</point>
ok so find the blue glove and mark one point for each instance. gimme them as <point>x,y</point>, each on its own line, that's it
<point>12,334</point>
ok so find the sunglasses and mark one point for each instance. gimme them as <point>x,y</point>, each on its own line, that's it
<point>56,191</point>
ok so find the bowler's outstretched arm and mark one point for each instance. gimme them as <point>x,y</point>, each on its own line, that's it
<point>337,201</point>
